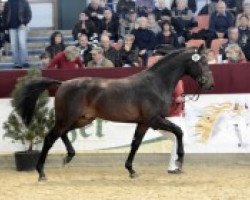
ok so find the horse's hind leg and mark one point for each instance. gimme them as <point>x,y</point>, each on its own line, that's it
<point>70,149</point>
<point>164,124</point>
<point>138,136</point>
<point>49,140</point>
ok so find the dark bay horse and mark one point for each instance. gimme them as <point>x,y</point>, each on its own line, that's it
<point>143,98</point>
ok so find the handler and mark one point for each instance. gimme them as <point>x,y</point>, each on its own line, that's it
<point>175,115</point>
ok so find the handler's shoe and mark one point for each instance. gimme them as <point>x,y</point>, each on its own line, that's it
<point>174,171</point>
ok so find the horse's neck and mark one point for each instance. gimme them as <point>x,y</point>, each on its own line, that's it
<point>167,75</point>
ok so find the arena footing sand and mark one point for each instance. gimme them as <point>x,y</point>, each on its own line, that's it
<point>198,182</point>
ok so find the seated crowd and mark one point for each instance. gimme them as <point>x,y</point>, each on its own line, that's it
<point>129,36</point>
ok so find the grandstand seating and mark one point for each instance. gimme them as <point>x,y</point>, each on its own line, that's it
<point>37,41</point>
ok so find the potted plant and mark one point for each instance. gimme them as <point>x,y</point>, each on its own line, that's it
<point>33,134</point>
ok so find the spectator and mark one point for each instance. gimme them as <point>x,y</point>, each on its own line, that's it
<point>56,44</point>
<point>85,48</point>
<point>103,3</point>
<point>220,21</point>
<point>128,53</point>
<point>233,38</point>
<point>246,50</point>
<point>152,24</point>
<point>144,39</point>
<point>211,57</point>
<point>246,12</point>
<point>112,4</point>
<point>231,5</point>
<point>67,59</point>
<point>144,7</point>
<point>244,31</point>
<point>191,5</point>
<point>124,6</point>
<point>2,28</point>
<point>17,15</point>
<point>110,24</point>
<point>182,20</point>
<point>84,26</point>
<point>208,9</point>
<point>128,24</point>
<point>160,9</point>
<point>109,52</point>
<point>167,36</point>
<point>165,17</point>
<point>95,11</point>
<point>239,6</point>
<point>98,59</point>
<point>44,59</point>
<point>234,54</point>
<point>233,35</point>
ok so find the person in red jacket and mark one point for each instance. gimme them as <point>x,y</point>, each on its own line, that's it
<point>68,59</point>
<point>177,106</point>
<point>175,115</point>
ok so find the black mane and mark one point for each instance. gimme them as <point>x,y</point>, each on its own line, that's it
<point>168,57</point>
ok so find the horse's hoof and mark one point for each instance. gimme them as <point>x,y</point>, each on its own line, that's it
<point>42,179</point>
<point>175,171</point>
<point>67,160</point>
<point>133,175</point>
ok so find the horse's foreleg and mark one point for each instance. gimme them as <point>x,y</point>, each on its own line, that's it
<point>48,143</point>
<point>164,124</point>
<point>138,136</point>
<point>70,149</point>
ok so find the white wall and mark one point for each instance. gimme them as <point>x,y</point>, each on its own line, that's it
<point>209,127</point>
<point>42,15</point>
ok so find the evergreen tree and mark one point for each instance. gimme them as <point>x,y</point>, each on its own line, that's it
<point>42,121</point>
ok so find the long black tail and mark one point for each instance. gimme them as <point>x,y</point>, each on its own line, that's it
<point>29,95</point>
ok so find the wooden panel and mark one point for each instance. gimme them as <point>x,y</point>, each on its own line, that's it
<point>68,13</point>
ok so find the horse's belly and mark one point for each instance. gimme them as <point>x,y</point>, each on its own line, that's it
<point>120,114</point>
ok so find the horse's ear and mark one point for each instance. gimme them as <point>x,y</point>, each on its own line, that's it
<point>202,49</point>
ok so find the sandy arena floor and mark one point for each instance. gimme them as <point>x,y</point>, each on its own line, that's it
<point>110,183</point>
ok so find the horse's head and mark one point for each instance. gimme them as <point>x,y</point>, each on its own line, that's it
<point>197,67</point>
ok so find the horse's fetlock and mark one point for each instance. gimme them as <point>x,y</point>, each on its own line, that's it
<point>72,154</point>
<point>128,165</point>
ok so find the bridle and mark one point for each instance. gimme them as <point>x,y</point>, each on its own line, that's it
<point>202,80</point>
